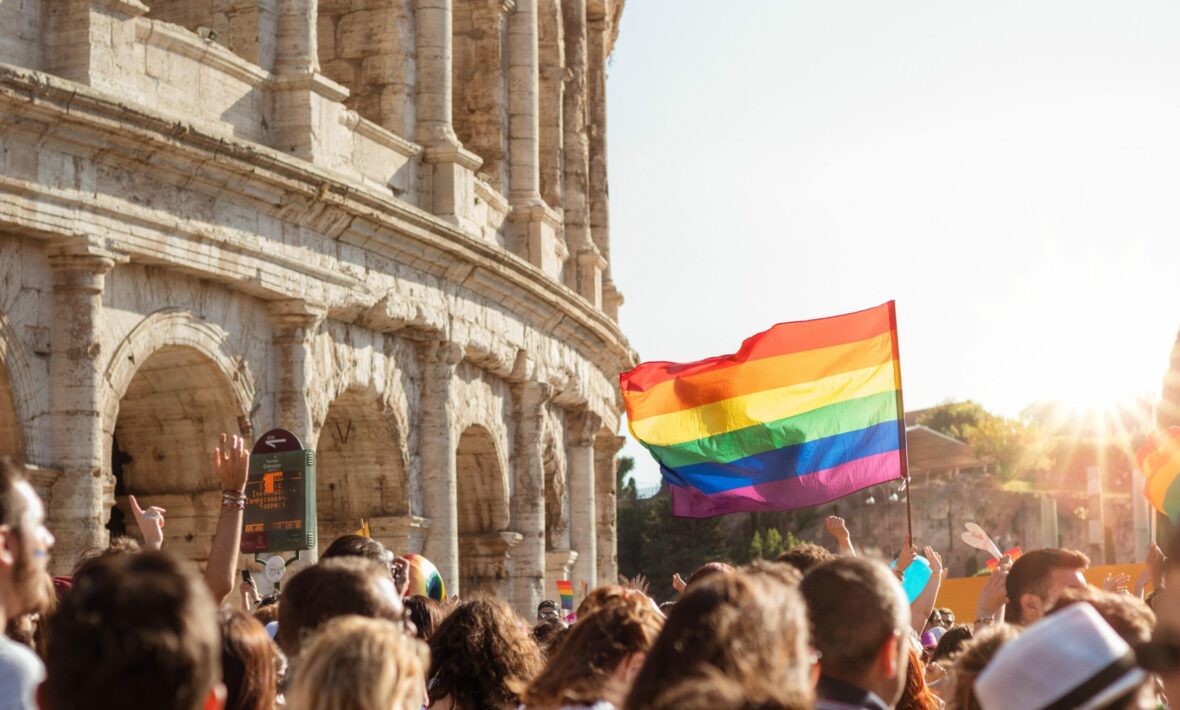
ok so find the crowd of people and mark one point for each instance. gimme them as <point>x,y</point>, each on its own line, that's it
<point>135,627</point>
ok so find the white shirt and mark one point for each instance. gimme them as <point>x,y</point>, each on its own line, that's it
<point>21,671</point>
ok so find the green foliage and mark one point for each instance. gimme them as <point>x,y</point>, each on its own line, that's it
<point>1013,447</point>
<point>654,542</point>
<point>624,482</point>
<point>770,545</point>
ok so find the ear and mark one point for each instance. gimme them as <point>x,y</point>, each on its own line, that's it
<point>1031,608</point>
<point>7,547</point>
<point>887,656</point>
<point>215,700</point>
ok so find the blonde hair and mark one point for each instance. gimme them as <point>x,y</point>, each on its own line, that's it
<point>356,663</point>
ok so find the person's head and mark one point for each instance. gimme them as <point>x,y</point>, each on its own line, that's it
<point>945,617</point>
<point>1036,580</point>
<point>359,546</point>
<point>548,609</point>
<point>425,613</point>
<point>599,657</point>
<point>707,570</point>
<point>1071,659</point>
<point>972,659</point>
<point>916,695</point>
<point>548,634</point>
<point>860,624</point>
<point>266,613</point>
<point>357,663</point>
<point>136,631</point>
<point>1129,616</point>
<point>600,597</point>
<point>25,543</point>
<point>331,588</point>
<point>704,687</point>
<point>249,663</point>
<point>805,556</point>
<point>481,656</point>
<point>952,642</point>
<point>119,545</point>
<point>748,625</point>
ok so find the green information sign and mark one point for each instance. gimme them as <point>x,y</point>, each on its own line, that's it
<point>280,496</point>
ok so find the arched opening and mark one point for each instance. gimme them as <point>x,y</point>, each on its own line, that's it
<point>245,27</point>
<point>479,90</point>
<point>368,47</point>
<point>360,471</point>
<point>10,431</point>
<point>482,499</point>
<point>168,424</point>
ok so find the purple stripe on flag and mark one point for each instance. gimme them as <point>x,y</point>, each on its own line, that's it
<point>789,493</point>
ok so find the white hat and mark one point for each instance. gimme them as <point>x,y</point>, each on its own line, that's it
<point>1070,659</point>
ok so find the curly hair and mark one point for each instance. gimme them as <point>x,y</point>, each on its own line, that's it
<point>581,667</point>
<point>971,661</point>
<point>482,656</point>
<point>806,555</point>
<point>1129,616</point>
<point>749,625</point>
<point>600,597</point>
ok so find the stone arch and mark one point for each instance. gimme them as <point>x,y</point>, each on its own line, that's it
<point>482,507</point>
<point>361,470</point>
<point>248,29</point>
<point>173,387</point>
<point>368,47</point>
<point>479,90</point>
<point>17,436</point>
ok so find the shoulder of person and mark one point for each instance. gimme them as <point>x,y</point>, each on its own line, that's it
<point>21,671</point>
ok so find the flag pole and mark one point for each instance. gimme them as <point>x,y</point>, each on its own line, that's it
<point>905,451</point>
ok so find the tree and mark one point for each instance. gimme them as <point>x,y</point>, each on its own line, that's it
<point>624,482</point>
<point>1013,447</point>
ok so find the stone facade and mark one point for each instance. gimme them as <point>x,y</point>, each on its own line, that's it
<point>380,224</point>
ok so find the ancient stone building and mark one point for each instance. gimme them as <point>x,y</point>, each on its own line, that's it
<point>381,224</point>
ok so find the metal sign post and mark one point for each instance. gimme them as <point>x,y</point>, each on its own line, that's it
<point>280,496</point>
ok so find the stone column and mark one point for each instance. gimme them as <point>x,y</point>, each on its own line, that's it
<point>535,224</point>
<point>78,512</point>
<point>598,40</point>
<point>296,48</point>
<point>294,325</point>
<point>582,427</point>
<point>452,174</point>
<point>436,448</point>
<point>606,451</point>
<point>576,151</point>
<point>528,497</point>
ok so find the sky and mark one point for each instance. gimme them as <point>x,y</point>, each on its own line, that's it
<point>1008,172</point>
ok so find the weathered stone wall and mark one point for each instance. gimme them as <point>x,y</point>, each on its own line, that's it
<point>202,230</point>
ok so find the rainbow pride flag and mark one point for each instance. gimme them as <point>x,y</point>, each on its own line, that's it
<point>565,590</point>
<point>1159,460</point>
<point>802,414</point>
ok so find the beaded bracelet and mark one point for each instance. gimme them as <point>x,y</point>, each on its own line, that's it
<point>233,500</point>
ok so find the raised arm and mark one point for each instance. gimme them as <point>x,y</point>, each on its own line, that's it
<point>994,595</point>
<point>231,463</point>
<point>922,606</point>
<point>150,522</point>
<point>837,529</point>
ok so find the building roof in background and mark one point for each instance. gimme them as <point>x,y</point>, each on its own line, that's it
<point>932,452</point>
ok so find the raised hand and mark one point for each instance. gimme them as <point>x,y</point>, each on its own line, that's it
<point>150,522</point>
<point>678,583</point>
<point>836,527</point>
<point>994,594</point>
<point>401,575</point>
<point>639,583</point>
<point>231,463</point>
<point>907,555</point>
<point>935,560</point>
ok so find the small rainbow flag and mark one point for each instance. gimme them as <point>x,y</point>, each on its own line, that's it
<point>565,589</point>
<point>1159,460</point>
<point>803,414</point>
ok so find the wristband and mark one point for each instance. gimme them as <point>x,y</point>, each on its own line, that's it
<point>233,500</point>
